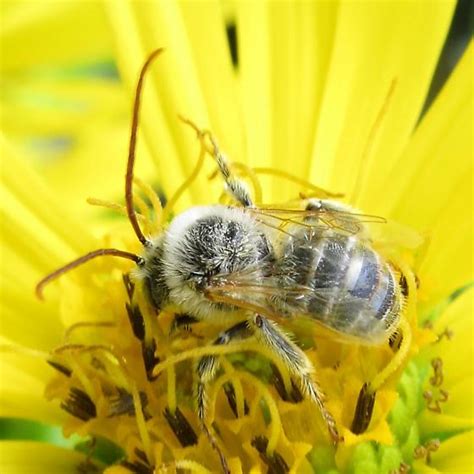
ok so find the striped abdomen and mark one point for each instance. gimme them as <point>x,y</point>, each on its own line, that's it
<point>352,289</point>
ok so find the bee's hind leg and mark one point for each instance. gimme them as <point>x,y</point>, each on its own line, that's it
<point>297,363</point>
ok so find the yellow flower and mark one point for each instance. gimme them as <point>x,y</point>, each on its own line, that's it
<point>330,92</point>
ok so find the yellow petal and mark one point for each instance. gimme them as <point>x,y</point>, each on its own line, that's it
<point>255,79</point>
<point>141,27</point>
<point>438,155</point>
<point>50,32</point>
<point>25,194</point>
<point>379,47</point>
<point>447,265</point>
<point>455,455</point>
<point>22,388</point>
<point>204,24</point>
<point>20,457</point>
<point>295,102</point>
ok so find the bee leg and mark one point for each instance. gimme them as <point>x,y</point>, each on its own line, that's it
<point>208,365</point>
<point>206,369</point>
<point>236,187</point>
<point>297,363</point>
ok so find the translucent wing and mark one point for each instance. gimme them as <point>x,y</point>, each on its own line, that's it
<point>319,214</point>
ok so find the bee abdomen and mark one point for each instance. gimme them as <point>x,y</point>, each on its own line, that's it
<point>355,291</point>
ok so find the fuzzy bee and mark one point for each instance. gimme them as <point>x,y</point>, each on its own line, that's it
<point>255,267</point>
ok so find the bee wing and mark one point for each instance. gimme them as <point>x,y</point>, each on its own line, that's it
<point>326,215</point>
<point>289,306</point>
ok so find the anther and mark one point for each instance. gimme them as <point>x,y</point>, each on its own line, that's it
<point>275,462</point>
<point>79,404</point>
<point>433,404</point>
<point>122,403</point>
<point>395,340</point>
<point>140,466</point>
<point>230,394</point>
<point>404,468</point>
<point>60,368</point>
<point>181,427</point>
<point>425,451</point>
<point>447,333</point>
<point>295,396</point>
<point>88,467</point>
<point>149,359</point>
<point>437,378</point>
<point>136,321</point>
<point>129,285</point>
<point>364,410</point>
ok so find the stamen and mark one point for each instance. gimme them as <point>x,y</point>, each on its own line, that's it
<point>425,451</point>
<point>318,192</point>
<point>171,386</point>
<point>83,378</point>
<point>88,467</point>
<point>404,468</point>
<point>363,411</point>
<point>181,427</point>
<point>148,191</point>
<point>60,368</point>
<point>275,462</point>
<point>122,403</point>
<point>447,333</point>
<point>230,394</point>
<point>87,324</point>
<point>113,206</point>
<point>192,466</point>
<point>149,359</point>
<point>371,140</point>
<point>235,391</point>
<point>436,381</point>
<point>136,321</point>
<point>144,211</point>
<point>294,395</point>
<point>262,392</point>
<point>432,404</point>
<point>141,423</point>
<point>438,376</point>
<point>79,404</point>
<point>191,178</point>
<point>138,467</point>
<point>129,285</point>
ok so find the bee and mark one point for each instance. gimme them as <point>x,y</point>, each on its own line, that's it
<point>255,267</point>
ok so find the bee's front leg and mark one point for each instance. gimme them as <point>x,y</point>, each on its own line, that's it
<point>297,363</point>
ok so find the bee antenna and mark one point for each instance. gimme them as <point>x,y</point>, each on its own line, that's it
<point>132,147</point>
<point>79,261</point>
